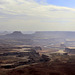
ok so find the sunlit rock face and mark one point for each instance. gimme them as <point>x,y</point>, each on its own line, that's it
<point>70,50</point>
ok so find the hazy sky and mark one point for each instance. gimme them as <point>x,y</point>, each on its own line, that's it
<point>37,15</point>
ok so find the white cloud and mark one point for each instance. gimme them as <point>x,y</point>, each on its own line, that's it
<point>33,15</point>
<point>1,17</point>
<point>30,7</point>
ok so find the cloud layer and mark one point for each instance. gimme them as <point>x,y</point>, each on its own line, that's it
<point>29,7</point>
<point>32,14</point>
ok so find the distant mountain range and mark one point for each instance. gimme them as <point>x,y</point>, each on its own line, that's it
<point>40,34</point>
<point>41,37</point>
<point>56,34</point>
<point>16,35</point>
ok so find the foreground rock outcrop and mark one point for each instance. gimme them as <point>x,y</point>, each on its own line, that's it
<point>54,68</point>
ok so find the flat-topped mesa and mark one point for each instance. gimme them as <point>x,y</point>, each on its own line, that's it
<point>17,33</point>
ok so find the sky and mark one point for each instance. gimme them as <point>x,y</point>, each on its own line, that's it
<point>37,15</point>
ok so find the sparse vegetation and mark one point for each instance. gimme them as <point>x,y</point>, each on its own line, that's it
<point>32,55</point>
